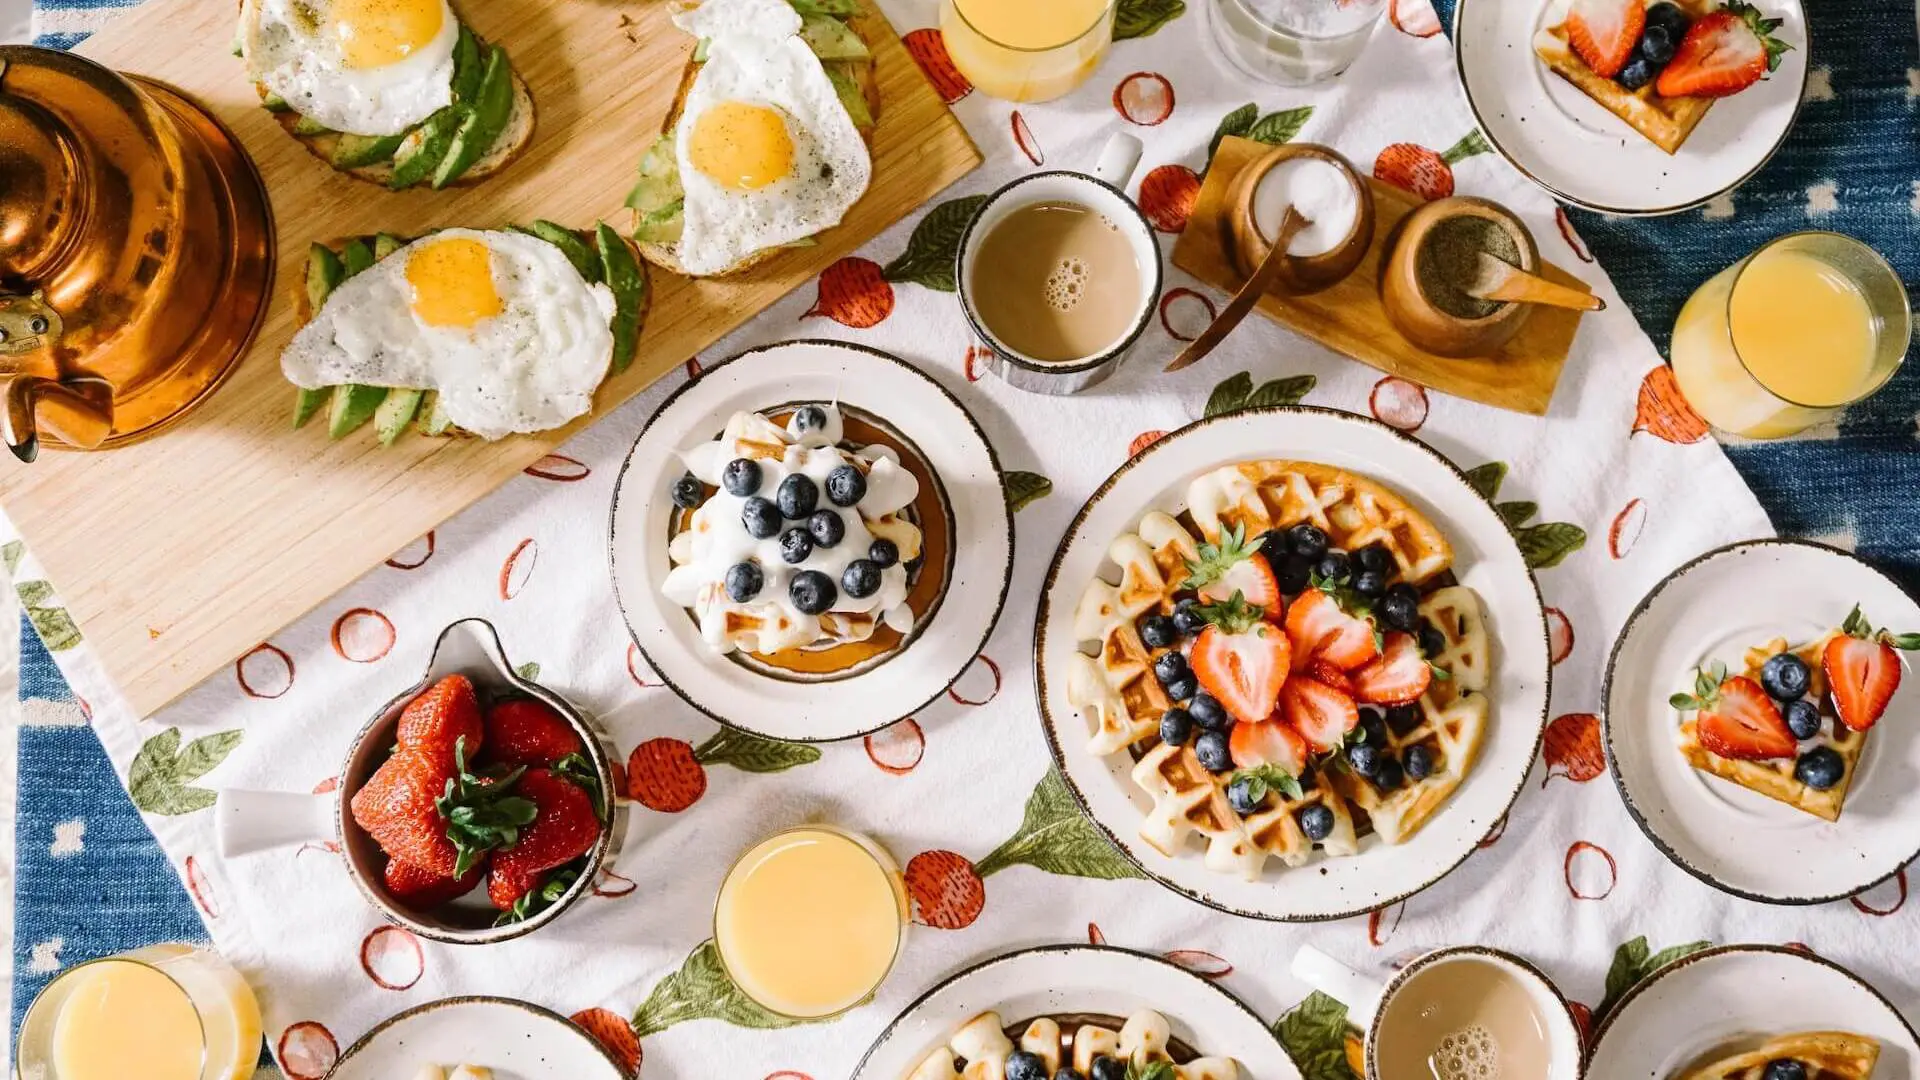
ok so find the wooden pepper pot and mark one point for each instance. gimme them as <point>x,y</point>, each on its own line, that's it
<point>1297,275</point>
<point>1413,298</point>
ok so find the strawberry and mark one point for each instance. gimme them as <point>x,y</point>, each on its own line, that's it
<point>445,713</point>
<point>1268,742</point>
<point>508,890</point>
<point>566,825</point>
<point>1322,672</point>
<point>1604,33</point>
<point>423,890</point>
<point>1321,630</point>
<point>1735,718</point>
<point>524,731</point>
<point>1863,669</point>
<point>1724,52</point>
<point>1234,566</point>
<point>435,814</point>
<point>1240,658</point>
<point>1399,676</point>
<point>1321,714</point>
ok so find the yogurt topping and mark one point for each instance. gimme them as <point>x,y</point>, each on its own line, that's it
<point>716,539</point>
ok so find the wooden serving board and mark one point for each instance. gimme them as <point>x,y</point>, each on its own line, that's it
<point>178,554</point>
<point>1349,318</point>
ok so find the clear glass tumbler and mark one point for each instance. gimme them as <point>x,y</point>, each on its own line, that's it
<point>1293,42</point>
<point>165,1012</point>
<point>1023,50</point>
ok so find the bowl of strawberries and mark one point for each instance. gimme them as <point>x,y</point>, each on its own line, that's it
<point>476,805</point>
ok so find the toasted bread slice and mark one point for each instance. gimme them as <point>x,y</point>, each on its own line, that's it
<point>1827,1055</point>
<point>1665,122</point>
<point>664,255</point>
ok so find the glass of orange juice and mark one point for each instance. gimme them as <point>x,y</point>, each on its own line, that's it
<point>165,1012</point>
<point>1793,333</point>
<point>810,920</point>
<point>1027,50</point>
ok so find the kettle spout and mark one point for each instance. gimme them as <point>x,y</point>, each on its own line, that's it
<point>77,411</point>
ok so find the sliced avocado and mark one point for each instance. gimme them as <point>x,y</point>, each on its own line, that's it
<point>831,39</point>
<point>386,244</point>
<point>325,272</point>
<point>663,225</point>
<point>396,411</point>
<point>354,151</point>
<point>423,148</point>
<point>467,66</point>
<point>629,287</point>
<point>273,102</point>
<point>433,419</point>
<point>356,255</point>
<point>308,403</point>
<point>848,87</point>
<point>353,405</point>
<point>579,252</point>
<point>309,126</point>
<point>825,7</point>
<point>492,108</point>
<point>657,197</point>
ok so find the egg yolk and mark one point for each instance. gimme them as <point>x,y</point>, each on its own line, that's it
<point>375,33</point>
<point>453,283</point>
<point>741,146</point>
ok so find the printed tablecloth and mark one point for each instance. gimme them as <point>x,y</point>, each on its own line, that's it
<point>1616,487</point>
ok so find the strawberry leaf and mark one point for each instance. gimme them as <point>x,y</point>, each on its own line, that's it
<point>1684,702</point>
<point>1903,642</point>
<point>480,813</point>
<point>535,900</point>
<point>1260,778</point>
<point>1233,615</point>
<point>1216,559</point>
<point>1157,1069</point>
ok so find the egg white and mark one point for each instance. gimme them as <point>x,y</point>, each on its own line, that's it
<point>293,57</point>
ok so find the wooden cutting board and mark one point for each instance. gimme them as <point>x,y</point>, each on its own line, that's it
<point>179,554</point>
<point>1348,318</point>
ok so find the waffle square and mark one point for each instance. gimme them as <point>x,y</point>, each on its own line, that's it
<point>1828,1055</point>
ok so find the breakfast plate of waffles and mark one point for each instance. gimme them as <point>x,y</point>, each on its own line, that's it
<point>1760,721</point>
<point>1754,1012</point>
<point>1292,638</point>
<point>1102,1012</point>
<point>476,1038</point>
<point>810,541</point>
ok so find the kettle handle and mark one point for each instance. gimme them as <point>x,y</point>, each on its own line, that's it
<point>78,410</point>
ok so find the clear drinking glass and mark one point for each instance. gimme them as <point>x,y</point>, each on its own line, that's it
<point>165,1012</point>
<point>1009,52</point>
<point>1294,42</point>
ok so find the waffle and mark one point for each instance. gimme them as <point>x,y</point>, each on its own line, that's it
<point>1774,778</point>
<point>1353,511</point>
<point>1828,1055</point>
<point>980,1048</point>
<point>1665,122</point>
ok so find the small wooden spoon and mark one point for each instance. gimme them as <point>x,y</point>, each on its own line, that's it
<point>1501,280</point>
<point>1248,295</point>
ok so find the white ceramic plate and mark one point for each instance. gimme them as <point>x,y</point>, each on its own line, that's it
<point>1565,142</point>
<point>939,649</point>
<point>518,1041</point>
<point>1715,607</point>
<point>1732,998</point>
<point>1485,558</point>
<point>1052,980</point>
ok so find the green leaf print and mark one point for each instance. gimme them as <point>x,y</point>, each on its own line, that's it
<point>1138,18</point>
<point>1544,544</point>
<point>11,553</point>
<point>1516,514</point>
<point>752,753</point>
<point>935,242</point>
<point>1025,487</point>
<point>1238,392</point>
<point>1486,479</point>
<point>162,771</point>
<point>1314,1034</point>
<point>701,990</point>
<point>1238,122</point>
<point>529,671</point>
<point>35,593</point>
<point>1633,961</point>
<point>55,627</point>
<point>1055,837</point>
<point>1280,127</point>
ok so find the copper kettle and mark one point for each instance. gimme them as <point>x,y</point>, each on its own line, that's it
<point>136,253</point>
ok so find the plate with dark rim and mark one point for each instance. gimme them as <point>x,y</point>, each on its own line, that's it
<point>1486,559</point>
<point>962,511</point>
<point>1730,999</point>
<point>515,1039</point>
<point>1738,841</point>
<point>1080,982</point>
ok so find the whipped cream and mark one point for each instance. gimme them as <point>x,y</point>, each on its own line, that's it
<point>716,539</point>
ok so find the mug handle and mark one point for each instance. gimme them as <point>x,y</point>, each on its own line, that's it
<point>248,822</point>
<point>1359,993</point>
<point>1117,159</point>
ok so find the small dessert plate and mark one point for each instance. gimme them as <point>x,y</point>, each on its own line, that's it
<point>1734,997</point>
<point>972,549</point>
<point>1079,980</point>
<point>1581,153</point>
<point>1736,840</point>
<point>514,1039</point>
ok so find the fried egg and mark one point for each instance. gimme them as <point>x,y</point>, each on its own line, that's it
<point>767,153</point>
<point>499,323</point>
<point>367,67</point>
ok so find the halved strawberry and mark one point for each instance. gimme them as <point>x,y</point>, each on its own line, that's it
<point>1240,658</point>
<point>1400,674</point>
<point>1735,718</point>
<point>1321,630</point>
<point>1234,566</point>
<point>1321,671</point>
<point>1604,33</point>
<point>1268,742</point>
<point>1321,714</point>
<point>1863,669</point>
<point>1724,52</point>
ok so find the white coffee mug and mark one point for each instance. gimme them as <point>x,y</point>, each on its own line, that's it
<point>1100,190</point>
<point>1369,1001</point>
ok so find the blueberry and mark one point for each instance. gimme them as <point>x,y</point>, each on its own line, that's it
<point>1186,618</point>
<point>1317,822</point>
<point>809,418</point>
<point>1364,758</point>
<point>1432,641</point>
<point>1785,677</point>
<point>741,477</point>
<point>1656,44</point>
<point>1214,753</point>
<point>1308,540</point>
<point>795,545</point>
<point>689,492</point>
<point>811,591</point>
<point>845,486</point>
<point>1369,583</point>
<point>1240,797</point>
<point>797,496</point>
<point>1169,666</point>
<point>743,581</point>
<point>1024,1066</point>
<point>1109,1068</point>
<point>1373,727</point>
<point>1334,566</point>
<point>1419,762</point>
<point>1784,1069</point>
<point>1375,557</point>
<point>1671,18</point>
<point>761,518</point>
<point>1067,1072</point>
<point>1803,718</point>
<point>1209,713</point>
<point>1400,608</point>
<point>1638,73</point>
<point>883,553</point>
<point>1176,726</point>
<point>1292,572</point>
<point>1158,632</point>
<point>1403,718</point>
<point>1819,768</point>
<point>1388,775</point>
<point>860,579</point>
<point>826,527</point>
<point>1182,688</point>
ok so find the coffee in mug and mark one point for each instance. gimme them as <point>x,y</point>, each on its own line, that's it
<point>1464,1019</point>
<point>1057,281</point>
